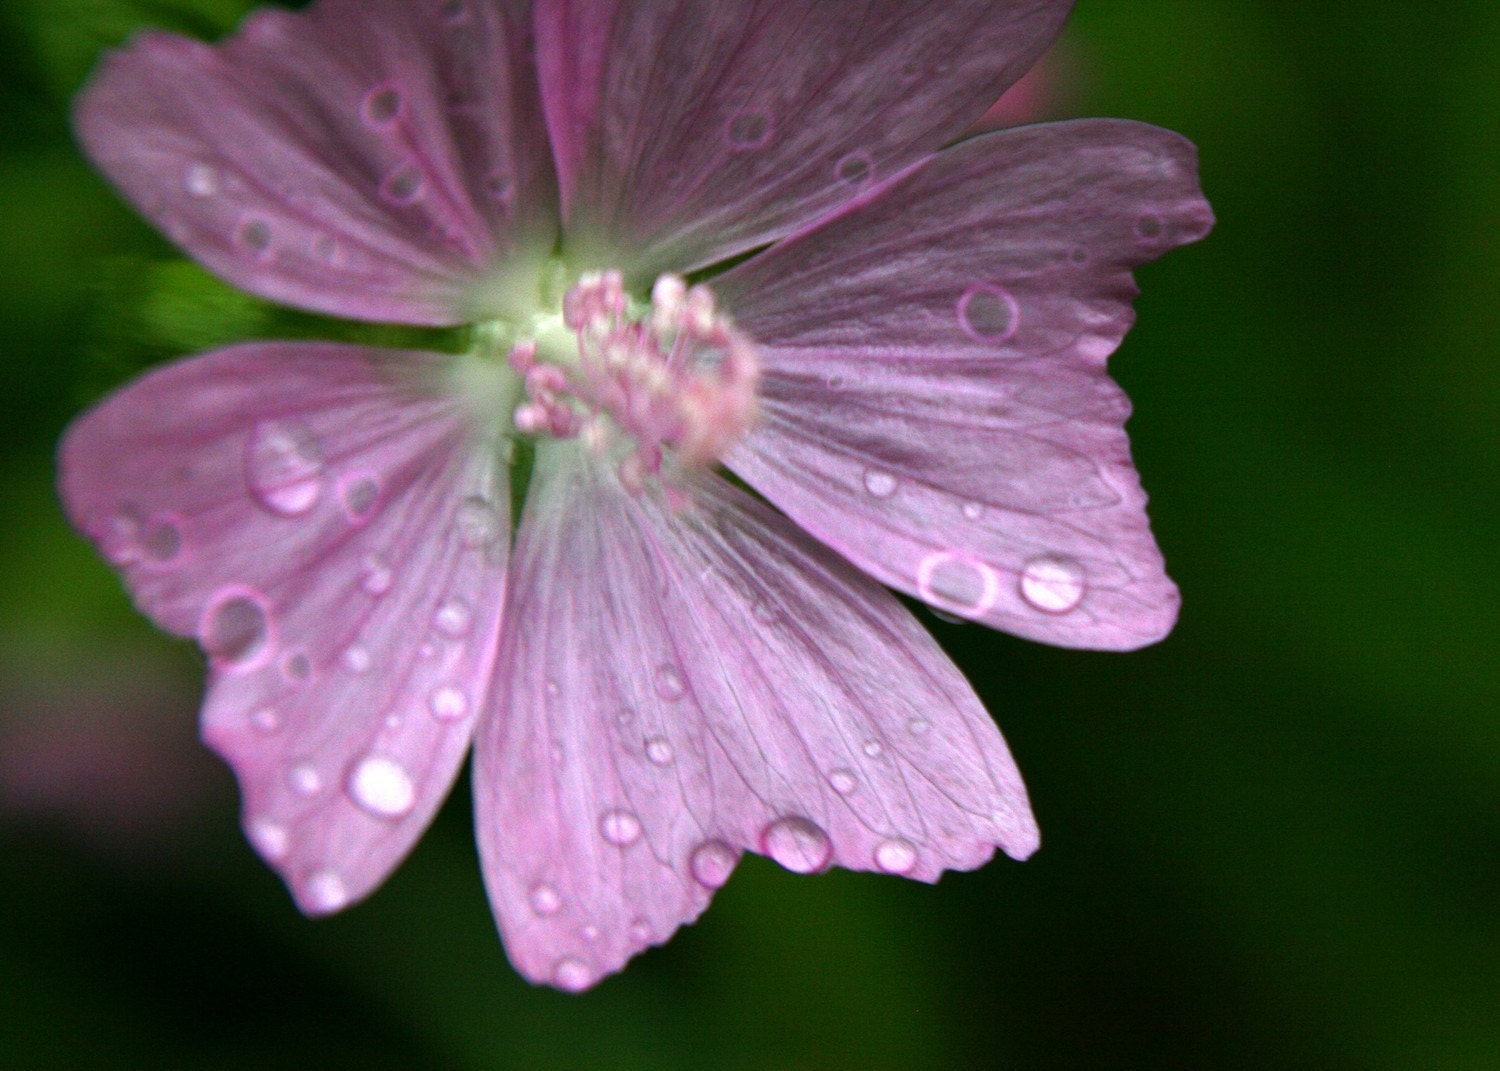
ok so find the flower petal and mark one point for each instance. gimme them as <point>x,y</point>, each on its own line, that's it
<point>688,132</point>
<point>333,533</point>
<point>681,687</point>
<point>935,405</point>
<point>375,159</point>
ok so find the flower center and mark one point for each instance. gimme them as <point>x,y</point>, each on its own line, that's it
<point>662,391</point>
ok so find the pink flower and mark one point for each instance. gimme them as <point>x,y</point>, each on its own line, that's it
<point>664,671</point>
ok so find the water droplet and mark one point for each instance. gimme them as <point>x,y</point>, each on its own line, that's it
<point>918,726</point>
<point>959,584</point>
<point>712,862</point>
<point>895,856</point>
<point>854,169</point>
<point>972,511</point>
<point>620,828</point>
<point>448,703</point>
<point>403,185</point>
<point>798,844</point>
<point>572,975</point>
<point>270,839</point>
<point>589,933</point>
<point>201,180</point>
<point>477,522</point>
<point>880,484</point>
<point>669,682</point>
<point>359,493</point>
<point>1079,254</point>
<point>236,630</point>
<point>255,236</point>
<point>357,659</point>
<point>453,619</point>
<point>497,184</point>
<point>640,931</point>
<point>284,467</point>
<point>624,716</point>
<point>659,751</point>
<point>843,781</point>
<point>988,314</point>
<point>1054,585</point>
<point>1149,226</point>
<point>764,612</point>
<point>382,787</point>
<point>305,779</point>
<point>377,578</point>
<point>872,749</point>
<point>545,900</point>
<point>161,542</point>
<point>381,106</point>
<point>552,688</point>
<point>325,892</point>
<point>296,667</point>
<point>266,720</point>
<point>748,129</point>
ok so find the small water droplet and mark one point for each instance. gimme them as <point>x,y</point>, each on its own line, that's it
<point>659,751</point>
<point>624,716</point>
<point>453,619</point>
<point>640,931</point>
<point>381,106</point>
<point>620,828</point>
<point>988,314</point>
<point>843,781</point>
<point>854,169</point>
<point>958,584</point>
<point>325,892</point>
<point>254,235</point>
<point>161,542</point>
<point>359,494</point>
<point>764,612</point>
<point>270,839</point>
<point>284,467</point>
<point>236,630</point>
<point>1149,226</point>
<point>872,749</point>
<point>382,787</point>
<point>879,483</point>
<point>972,511</point>
<point>572,975</point>
<point>589,933</point>
<point>377,578</point>
<point>1053,584</point>
<point>403,185</point>
<point>357,659</point>
<point>305,779</point>
<point>712,862</point>
<point>477,522</point>
<point>552,688</point>
<point>448,703</point>
<point>918,726</point>
<point>798,844</point>
<point>296,667</point>
<point>266,720</point>
<point>748,129</point>
<point>895,856</point>
<point>545,900</point>
<point>669,682</point>
<point>201,180</point>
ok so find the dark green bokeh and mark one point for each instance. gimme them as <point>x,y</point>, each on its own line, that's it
<point>1272,841</point>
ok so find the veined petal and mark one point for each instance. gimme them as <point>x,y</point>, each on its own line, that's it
<point>688,132</point>
<point>676,688</point>
<point>375,159</point>
<point>333,532</point>
<point>934,402</point>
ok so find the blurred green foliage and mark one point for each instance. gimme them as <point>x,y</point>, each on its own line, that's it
<point>1272,841</point>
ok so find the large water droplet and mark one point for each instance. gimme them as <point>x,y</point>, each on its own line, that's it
<point>669,683</point>
<point>477,522</point>
<point>448,703</point>
<point>1053,584</point>
<point>879,483</point>
<point>748,129</point>
<point>957,583</point>
<point>572,975</point>
<point>545,900</point>
<point>236,630</point>
<point>305,779</point>
<point>843,781</point>
<point>270,839</point>
<point>453,619</point>
<point>988,314</point>
<point>620,828</point>
<point>712,862</point>
<point>359,494</point>
<point>659,751</point>
<point>325,892</point>
<point>895,856</point>
<point>798,844</point>
<point>382,787</point>
<point>284,467</point>
<point>381,106</point>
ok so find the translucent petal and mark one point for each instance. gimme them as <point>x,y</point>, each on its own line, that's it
<point>377,159</point>
<point>935,405</point>
<point>682,687</point>
<point>688,132</point>
<point>331,529</point>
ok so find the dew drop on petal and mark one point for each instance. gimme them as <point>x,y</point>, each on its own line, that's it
<point>972,511</point>
<point>641,932</point>
<point>669,682</point>
<point>448,703</point>
<point>1054,585</point>
<point>798,844</point>
<point>236,630</point>
<point>854,169</point>
<point>711,863</point>
<point>477,522</point>
<point>377,577</point>
<point>453,619</point>
<point>357,658</point>
<point>873,749</point>
<point>266,720</point>
<point>1149,226</point>
<point>497,185</point>
<point>918,726</point>
<point>843,781</point>
<point>403,185</point>
<point>572,975</point>
<point>201,180</point>
<point>359,493</point>
<point>161,542</point>
<point>764,612</point>
<point>958,583</point>
<point>305,779</point>
<point>659,751</point>
<point>382,787</point>
<point>284,467</point>
<point>296,667</point>
<point>270,838</point>
<point>254,236</point>
<point>589,933</point>
<point>988,314</point>
<point>880,484</point>
<point>748,129</point>
<point>895,856</point>
<point>545,900</point>
<point>325,892</point>
<point>381,106</point>
<point>620,828</point>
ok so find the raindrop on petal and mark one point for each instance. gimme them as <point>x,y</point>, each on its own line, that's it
<point>448,703</point>
<point>545,900</point>
<point>357,659</point>
<point>403,185</point>
<point>381,106</point>
<point>377,578</point>
<point>659,751</point>
<point>879,483</point>
<point>873,749</point>
<point>957,583</point>
<point>236,630</point>
<point>382,787</point>
<point>453,619</point>
<point>1054,585</point>
<point>895,856</point>
<point>201,180</point>
<point>359,494</point>
<point>712,862</point>
<point>854,169</point>
<point>254,235</point>
<point>477,522</point>
<point>284,467</point>
<point>620,828</point>
<point>270,839</point>
<point>988,314</point>
<point>748,129</point>
<point>296,667</point>
<point>305,779</point>
<point>843,781</point>
<point>325,892</point>
<point>266,720</point>
<point>572,975</point>
<point>669,682</point>
<point>798,844</point>
<point>973,511</point>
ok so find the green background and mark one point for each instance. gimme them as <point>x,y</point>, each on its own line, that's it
<point>1271,841</point>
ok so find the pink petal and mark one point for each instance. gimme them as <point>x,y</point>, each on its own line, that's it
<point>679,688</point>
<point>376,159</point>
<point>687,132</point>
<point>334,534</point>
<point>935,404</point>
